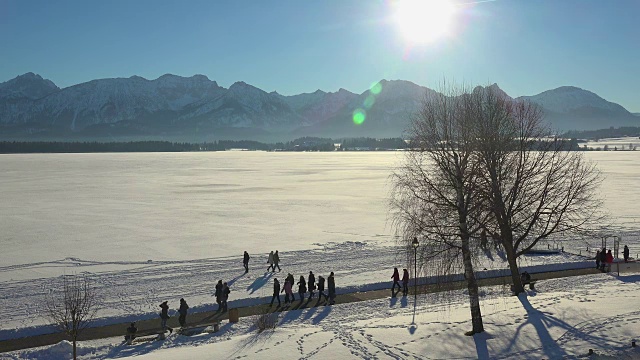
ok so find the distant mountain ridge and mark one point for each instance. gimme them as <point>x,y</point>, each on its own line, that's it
<point>196,109</point>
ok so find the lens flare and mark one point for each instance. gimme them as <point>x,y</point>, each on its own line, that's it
<point>375,88</point>
<point>359,115</point>
<point>369,101</point>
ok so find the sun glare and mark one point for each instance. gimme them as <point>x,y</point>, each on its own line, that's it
<point>424,21</point>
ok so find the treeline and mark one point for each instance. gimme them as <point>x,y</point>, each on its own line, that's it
<point>628,131</point>
<point>300,144</point>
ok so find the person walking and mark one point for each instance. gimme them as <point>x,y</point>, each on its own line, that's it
<point>311,284</point>
<point>225,296</point>
<point>288,292</point>
<point>276,292</point>
<point>218,294</point>
<point>321,288</point>
<point>245,262</point>
<point>603,258</point>
<point>164,316</point>
<point>396,281</point>
<point>276,261</point>
<point>302,287</point>
<point>598,259</point>
<point>609,260</point>
<point>291,281</point>
<point>405,282</point>
<point>625,253</point>
<point>183,312</point>
<point>270,262</point>
<point>331,285</point>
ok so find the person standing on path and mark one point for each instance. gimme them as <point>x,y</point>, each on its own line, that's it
<point>276,261</point>
<point>331,284</point>
<point>598,260</point>
<point>396,281</point>
<point>270,262</point>
<point>311,284</point>
<point>291,281</point>
<point>302,287</point>
<point>603,258</point>
<point>164,316</point>
<point>131,333</point>
<point>405,282</point>
<point>276,292</point>
<point>183,312</point>
<point>321,289</point>
<point>609,260</point>
<point>625,253</point>
<point>245,262</point>
<point>225,296</point>
<point>288,292</point>
<point>218,294</point>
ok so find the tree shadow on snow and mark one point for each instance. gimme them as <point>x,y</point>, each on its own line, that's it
<point>259,282</point>
<point>481,345</point>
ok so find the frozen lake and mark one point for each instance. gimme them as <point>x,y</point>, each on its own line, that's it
<point>181,206</point>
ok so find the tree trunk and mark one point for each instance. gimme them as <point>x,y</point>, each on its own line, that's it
<point>472,286</point>
<point>513,266</point>
<point>75,338</point>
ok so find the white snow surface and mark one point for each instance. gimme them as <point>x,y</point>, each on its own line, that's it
<point>153,227</point>
<point>562,319</point>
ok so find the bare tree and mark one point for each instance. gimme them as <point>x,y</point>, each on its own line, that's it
<point>435,194</point>
<point>533,185</point>
<point>73,307</point>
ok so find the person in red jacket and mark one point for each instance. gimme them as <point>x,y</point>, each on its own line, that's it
<point>396,281</point>
<point>609,260</point>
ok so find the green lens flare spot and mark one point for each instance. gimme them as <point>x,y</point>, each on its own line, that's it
<point>369,101</point>
<point>358,116</point>
<point>375,88</point>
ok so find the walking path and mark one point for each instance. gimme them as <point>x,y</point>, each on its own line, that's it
<point>209,317</point>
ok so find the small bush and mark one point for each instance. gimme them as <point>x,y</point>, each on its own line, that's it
<point>266,320</point>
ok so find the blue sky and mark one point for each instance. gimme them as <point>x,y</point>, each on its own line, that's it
<point>526,46</point>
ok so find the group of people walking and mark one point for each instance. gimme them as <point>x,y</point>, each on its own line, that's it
<point>164,314</point>
<point>273,261</point>
<point>304,286</point>
<point>396,282</point>
<point>222,295</point>
<point>604,259</point>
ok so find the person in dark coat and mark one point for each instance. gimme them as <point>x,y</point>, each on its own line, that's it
<point>183,312</point>
<point>311,284</point>
<point>164,316</point>
<point>131,333</point>
<point>396,281</point>
<point>331,285</point>
<point>603,258</point>
<point>405,282</point>
<point>218,294</point>
<point>302,287</point>
<point>625,253</point>
<point>276,261</point>
<point>598,259</point>
<point>245,262</point>
<point>291,281</point>
<point>321,288</point>
<point>276,292</point>
<point>225,296</point>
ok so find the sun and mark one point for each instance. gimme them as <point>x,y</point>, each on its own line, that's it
<point>424,21</point>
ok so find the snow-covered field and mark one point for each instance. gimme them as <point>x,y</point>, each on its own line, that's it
<point>154,227</point>
<point>562,320</point>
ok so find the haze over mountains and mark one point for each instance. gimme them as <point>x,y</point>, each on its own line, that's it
<point>198,109</point>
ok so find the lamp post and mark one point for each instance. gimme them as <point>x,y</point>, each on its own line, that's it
<point>415,245</point>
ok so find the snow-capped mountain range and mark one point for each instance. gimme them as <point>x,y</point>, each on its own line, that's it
<point>196,108</point>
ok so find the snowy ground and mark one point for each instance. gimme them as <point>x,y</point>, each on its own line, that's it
<point>562,320</point>
<point>155,227</point>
